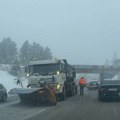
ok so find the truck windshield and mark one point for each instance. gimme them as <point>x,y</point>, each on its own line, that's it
<point>44,69</point>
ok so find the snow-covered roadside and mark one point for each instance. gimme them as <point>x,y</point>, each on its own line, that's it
<point>9,81</point>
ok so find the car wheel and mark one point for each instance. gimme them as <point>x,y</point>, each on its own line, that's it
<point>4,98</point>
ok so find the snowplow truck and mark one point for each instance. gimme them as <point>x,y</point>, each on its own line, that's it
<point>48,81</point>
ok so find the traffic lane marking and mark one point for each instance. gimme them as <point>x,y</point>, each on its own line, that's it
<point>35,114</point>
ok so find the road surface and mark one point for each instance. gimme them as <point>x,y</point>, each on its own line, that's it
<point>85,107</point>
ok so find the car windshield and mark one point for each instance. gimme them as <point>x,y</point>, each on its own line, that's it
<point>94,83</point>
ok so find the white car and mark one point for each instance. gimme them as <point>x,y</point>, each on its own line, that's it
<point>93,85</point>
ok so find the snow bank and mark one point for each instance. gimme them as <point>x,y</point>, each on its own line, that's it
<point>9,81</point>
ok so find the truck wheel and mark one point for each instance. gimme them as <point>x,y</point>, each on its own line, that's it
<point>76,90</point>
<point>71,92</point>
<point>4,98</point>
<point>63,95</point>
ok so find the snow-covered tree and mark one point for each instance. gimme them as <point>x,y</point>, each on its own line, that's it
<point>8,51</point>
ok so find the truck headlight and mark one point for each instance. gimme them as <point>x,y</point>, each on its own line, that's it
<point>58,86</point>
<point>28,74</point>
<point>28,86</point>
<point>58,72</point>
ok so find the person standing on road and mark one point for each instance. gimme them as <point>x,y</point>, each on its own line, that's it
<point>82,83</point>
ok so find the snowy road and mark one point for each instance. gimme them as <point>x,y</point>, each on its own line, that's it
<point>74,108</point>
<point>14,110</point>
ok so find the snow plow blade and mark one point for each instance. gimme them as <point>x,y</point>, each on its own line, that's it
<point>24,90</point>
<point>35,95</point>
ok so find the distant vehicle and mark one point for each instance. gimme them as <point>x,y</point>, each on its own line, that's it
<point>109,90</point>
<point>93,85</point>
<point>3,93</point>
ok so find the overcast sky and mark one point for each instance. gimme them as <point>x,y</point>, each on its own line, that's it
<point>82,31</point>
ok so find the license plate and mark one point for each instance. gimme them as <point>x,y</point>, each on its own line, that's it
<point>112,89</point>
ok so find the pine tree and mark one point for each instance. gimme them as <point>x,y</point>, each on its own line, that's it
<point>8,51</point>
<point>25,53</point>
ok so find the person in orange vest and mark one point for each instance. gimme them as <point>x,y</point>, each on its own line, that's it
<point>82,83</point>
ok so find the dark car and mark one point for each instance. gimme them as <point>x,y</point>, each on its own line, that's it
<point>93,85</point>
<point>109,90</point>
<point>3,93</point>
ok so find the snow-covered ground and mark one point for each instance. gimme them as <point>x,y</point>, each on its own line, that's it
<point>116,77</point>
<point>9,81</point>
